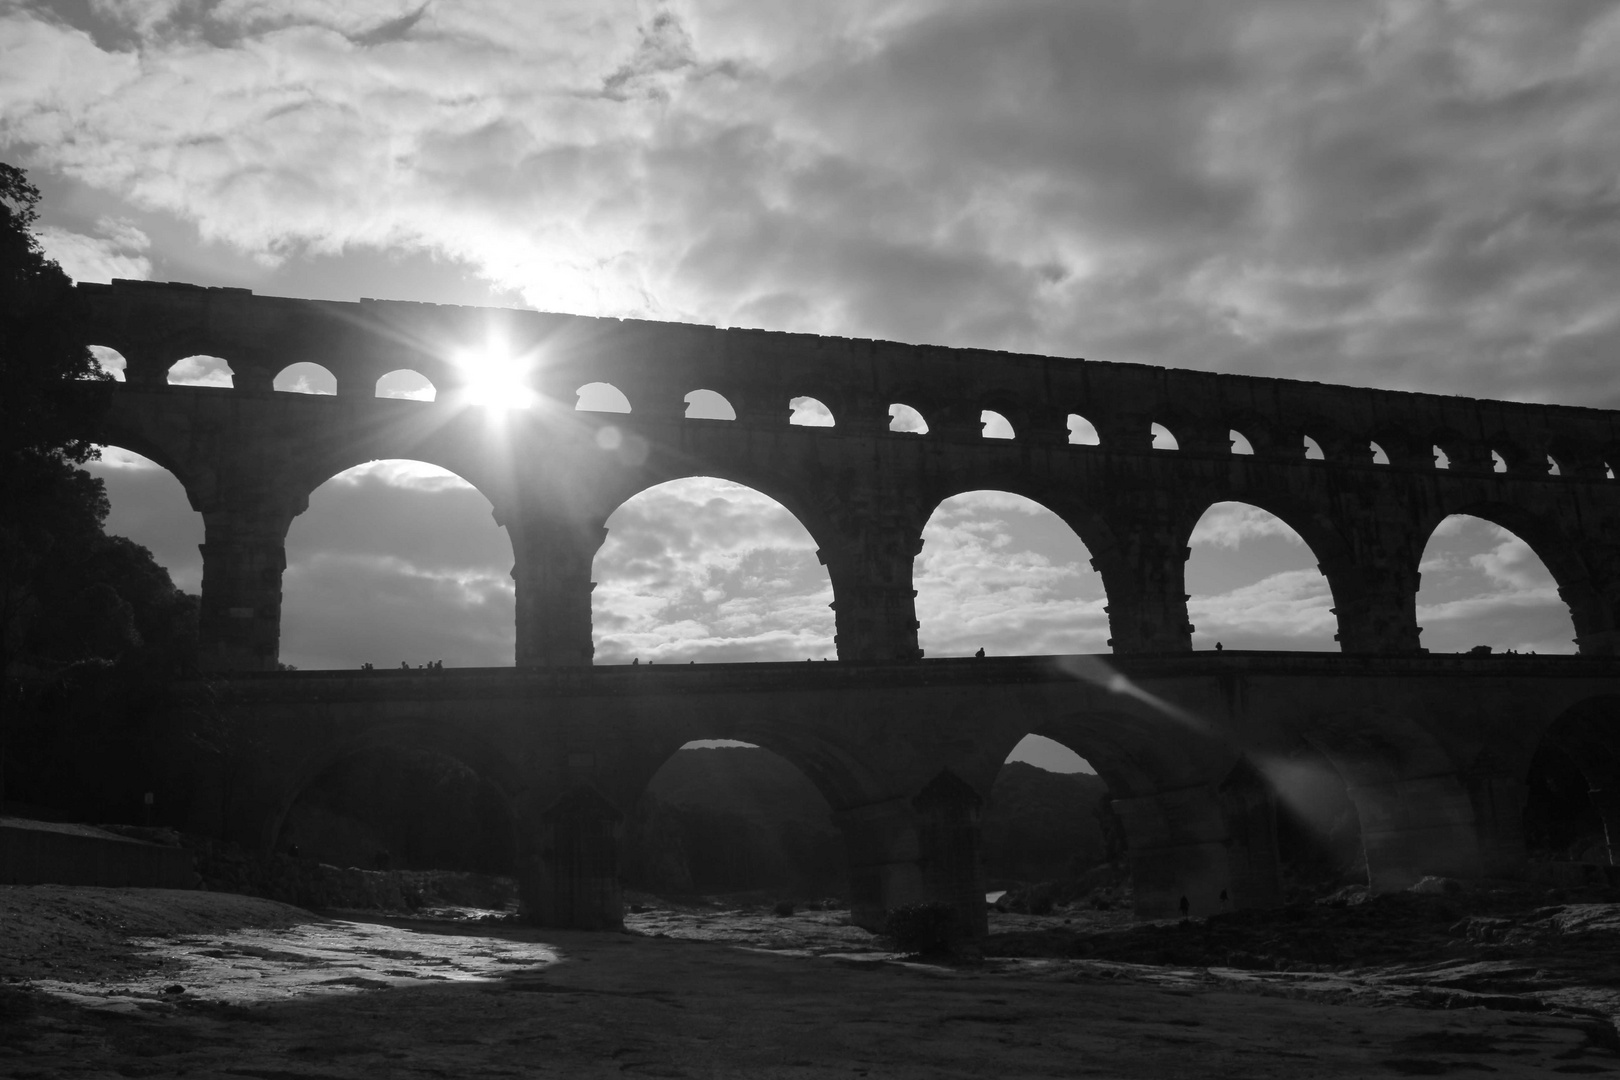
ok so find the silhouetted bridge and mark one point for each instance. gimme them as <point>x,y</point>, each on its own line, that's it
<point>1434,750</point>
<point>1434,753</point>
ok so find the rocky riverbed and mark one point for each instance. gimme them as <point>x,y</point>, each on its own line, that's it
<point>106,982</point>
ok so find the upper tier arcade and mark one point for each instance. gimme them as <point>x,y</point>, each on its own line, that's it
<point>1362,475</point>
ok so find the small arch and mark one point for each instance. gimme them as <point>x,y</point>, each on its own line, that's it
<point>708,405</point>
<point>1313,450</point>
<point>808,412</point>
<point>905,418</point>
<point>1240,443</point>
<point>1498,462</point>
<point>305,378</point>
<point>1162,439</point>
<point>996,426</point>
<point>1082,432</point>
<point>1553,468</point>
<point>200,371</point>
<point>408,384</point>
<point>1379,457</point>
<point>1608,471</point>
<point>1442,460</point>
<point>109,361</point>
<point>601,397</point>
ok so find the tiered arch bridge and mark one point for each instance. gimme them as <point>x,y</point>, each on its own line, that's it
<point>1433,749</point>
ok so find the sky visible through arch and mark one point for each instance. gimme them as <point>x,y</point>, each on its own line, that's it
<point>1407,196</point>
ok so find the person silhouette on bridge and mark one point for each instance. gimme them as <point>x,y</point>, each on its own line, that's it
<point>980,654</point>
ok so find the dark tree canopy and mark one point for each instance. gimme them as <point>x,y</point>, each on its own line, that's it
<point>91,626</point>
<point>43,357</point>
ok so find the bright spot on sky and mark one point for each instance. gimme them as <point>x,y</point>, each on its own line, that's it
<point>496,379</point>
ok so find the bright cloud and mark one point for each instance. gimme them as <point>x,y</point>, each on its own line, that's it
<point>704,569</point>
<point>1226,525</point>
<point>1254,584</point>
<point>201,371</point>
<point>1482,585</point>
<point>397,561</point>
<point>116,253</point>
<point>1405,196</point>
<point>1002,573</point>
<point>1288,610</point>
<point>1411,196</point>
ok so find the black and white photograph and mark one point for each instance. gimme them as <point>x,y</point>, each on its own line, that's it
<point>894,538</point>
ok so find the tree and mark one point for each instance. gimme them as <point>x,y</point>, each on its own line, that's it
<point>43,359</point>
<point>69,594</point>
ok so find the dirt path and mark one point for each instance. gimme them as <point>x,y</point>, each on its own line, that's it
<point>271,992</point>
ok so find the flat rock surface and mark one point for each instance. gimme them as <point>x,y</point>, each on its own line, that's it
<point>107,982</point>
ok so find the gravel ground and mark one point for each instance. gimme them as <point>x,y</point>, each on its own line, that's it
<point>127,982</point>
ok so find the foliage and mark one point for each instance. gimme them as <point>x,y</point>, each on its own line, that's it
<point>91,627</point>
<point>43,358</point>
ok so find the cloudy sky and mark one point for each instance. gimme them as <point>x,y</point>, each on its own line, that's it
<point>1413,195</point>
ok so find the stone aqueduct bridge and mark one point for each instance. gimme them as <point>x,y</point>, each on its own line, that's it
<point>1434,750</point>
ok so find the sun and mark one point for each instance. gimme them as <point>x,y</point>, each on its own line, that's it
<point>496,379</point>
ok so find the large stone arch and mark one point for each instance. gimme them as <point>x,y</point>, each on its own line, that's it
<point>804,514</point>
<point>837,772</point>
<point>1087,521</point>
<point>340,505</point>
<point>801,499</point>
<point>1310,518</point>
<point>156,452</point>
<point>1083,522</point>
<point>878,827</point>
<point>170,449</point>
<point>1594,615</point>
<point>1417,814</point>
<point>313,466</point>
<point>1587,734</point>
<point>313,758</point>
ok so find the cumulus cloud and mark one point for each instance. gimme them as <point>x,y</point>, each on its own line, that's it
<point>1407,195</point>
<point>1482,585</point>
<point>1287,610</point>
<point>1226,525</point>
<point>1254,584</point>
<point>116,253</point>
<point>707,570</point>
<point>201,371</point>
<point>397,560</point>
<point>1002,573</point>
